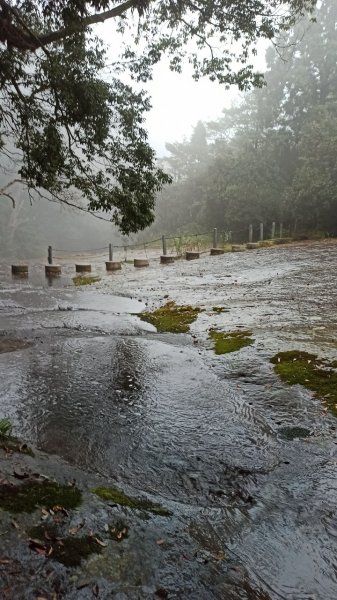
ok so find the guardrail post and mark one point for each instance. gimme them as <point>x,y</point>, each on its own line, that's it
<point>110,252</point>
<point>261,232</point>
<point>50,255</point>
<point>273,225</point>
<point>281,230</point>
<point>164,245</point>
<point>250,233</point>
<point>215,237</point>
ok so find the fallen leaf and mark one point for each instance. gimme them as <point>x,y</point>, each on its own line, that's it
<point>99,542</point>
<point>160,542</point>
<point>14,524</point>
<point>95,590</point>
<point>5,561</point>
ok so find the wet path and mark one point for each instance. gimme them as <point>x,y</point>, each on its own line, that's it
<point>164,416</point>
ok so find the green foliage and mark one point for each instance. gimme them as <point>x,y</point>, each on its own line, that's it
<point>317,375</point>
<point>231,341</point>
<point>171,317</point>
<point>118,497</point>
<point>5,428</point>
<point>70,128</point>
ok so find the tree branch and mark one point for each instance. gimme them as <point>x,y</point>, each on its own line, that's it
<point>31,41</point>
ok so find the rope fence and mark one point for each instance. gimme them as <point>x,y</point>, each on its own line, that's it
<point>165,248</point>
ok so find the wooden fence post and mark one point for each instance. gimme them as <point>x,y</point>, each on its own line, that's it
<point>50,255</point>
<point>250,234</point>
<point>261,232</point>
<point>164,245</point>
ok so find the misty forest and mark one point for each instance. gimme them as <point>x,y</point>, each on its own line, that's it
<point>272,155</point>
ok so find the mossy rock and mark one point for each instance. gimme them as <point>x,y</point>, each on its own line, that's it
<point>69,551</point>
<point>118,531</point>
<point>171,318</point>
<point>118,497</point>
<point>12,444</point>
<point>293,433</point>
<point>318,375</point>
<point>231,341</point>
<point>26,497</point>
<point>219,309</point>
<point>85,280</point>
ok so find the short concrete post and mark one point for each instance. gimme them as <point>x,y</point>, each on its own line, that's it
<point>215,237</point>
<point>281,230</point>
<point>250,234</point>
<point>273,225</point>
<point>50,255</point>
<point>164,245</point>
<point>261,232</point>
<point>110,253</point>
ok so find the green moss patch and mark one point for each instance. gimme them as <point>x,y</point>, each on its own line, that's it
<point>70,551</point>
<point>118,497</point>
<point>293,433</point>
<point>85,279</point>
<point>219,309</point>
<point>317,375</point>
<point>230,341</point>
<point>28,496</point>
<point>171,317</point>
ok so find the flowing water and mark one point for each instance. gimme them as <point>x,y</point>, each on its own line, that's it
<point>164,416</point>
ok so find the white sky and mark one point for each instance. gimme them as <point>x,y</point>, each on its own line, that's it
<point>179,102</point>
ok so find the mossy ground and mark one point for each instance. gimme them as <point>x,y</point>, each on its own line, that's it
<point>293,433</point>
<point>85,279</point>
<point>67,550</point>
<point>26,497</point>
<point>118,531</point>
<point>11,444</point>
<point>230,341</point>
<point>219,309</point>
<point>317,375</point>
<point>171,317</point>
<point>118,497</point>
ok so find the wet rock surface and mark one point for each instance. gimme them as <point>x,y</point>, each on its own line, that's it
<point>245,463</point>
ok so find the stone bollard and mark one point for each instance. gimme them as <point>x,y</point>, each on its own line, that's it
<point>112,265</point>
<point>217,251</point>
<point>237,248</point>
<point>83,268</point>
<point>20,270</point>
<point>52,270</point>
<point>166,260</point>
<point>253,246</point>
<point>140,262</point>
<point>192,255</point>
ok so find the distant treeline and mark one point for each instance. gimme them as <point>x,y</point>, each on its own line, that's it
<point>273,156</point>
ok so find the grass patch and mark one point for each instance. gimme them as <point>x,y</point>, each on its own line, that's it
<point>28,496</point>
<point>46,541</point>
<point>171,317</point>
<point>318,375</point>
<point>5,428</point>
<point>118,497</point>
<point>85,279</point>
<point>231,341</point>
